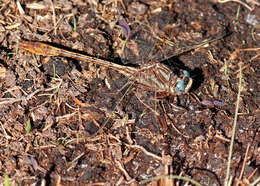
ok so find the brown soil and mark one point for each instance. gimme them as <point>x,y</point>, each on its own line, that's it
<point>66,122</point>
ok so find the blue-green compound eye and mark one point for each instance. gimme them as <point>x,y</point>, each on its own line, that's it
<point>180,86</point>
<point>186,73</point>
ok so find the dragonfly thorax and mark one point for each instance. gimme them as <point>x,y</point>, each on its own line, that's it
<point>157,77</point>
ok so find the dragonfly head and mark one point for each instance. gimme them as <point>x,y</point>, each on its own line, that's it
<point>184,83</point>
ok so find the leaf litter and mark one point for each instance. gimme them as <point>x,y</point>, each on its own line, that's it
<point>66,105</point>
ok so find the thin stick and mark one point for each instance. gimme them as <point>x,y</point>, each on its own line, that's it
<point>13,100</point>
<point>244,163</point>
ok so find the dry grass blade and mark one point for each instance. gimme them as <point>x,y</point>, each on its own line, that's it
<point>228,178</point>
<point>237,1</point>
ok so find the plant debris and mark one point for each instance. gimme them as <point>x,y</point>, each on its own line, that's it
<point>66,122</point>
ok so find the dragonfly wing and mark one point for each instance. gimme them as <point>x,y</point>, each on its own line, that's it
<point>160,37</point>
<point>155,41</point>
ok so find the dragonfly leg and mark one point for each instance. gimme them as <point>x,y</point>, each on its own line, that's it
<point>160,95</point>
<point>138,96</point>
<point>129,83</point>
<point>173,101</point>
<point>161,120</point>
<point>169,122</point>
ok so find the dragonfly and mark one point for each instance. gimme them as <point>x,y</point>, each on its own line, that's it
<point>152,76</point>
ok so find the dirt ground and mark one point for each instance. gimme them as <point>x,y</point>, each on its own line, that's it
<point>67,122</point>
